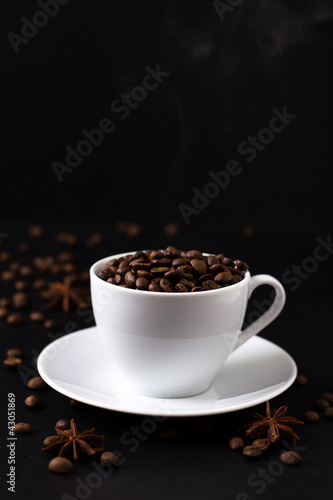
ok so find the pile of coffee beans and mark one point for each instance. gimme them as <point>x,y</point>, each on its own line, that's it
<point>173,270</point>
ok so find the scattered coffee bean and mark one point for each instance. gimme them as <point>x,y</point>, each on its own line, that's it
<point>168,432</point>
<point>16,353</point>
<point>262,443</point>
<point>291,458</point>
<point>16,319</point>
<point>21,285</point>
<point>14,266</point>
<point>26,271</point>
<point>36,231</point>
<point>37,383</point>
<point>69,239</point>
<point>60,465</point>
<point>24,247</point>
<point>43,263</point>
<point>50,324</point>
<point>108,459</point>
<point>22,428</point>
<point>37,317</point>
<point>328,412</point>
<point>5,302</point>
<point>310,417</point>
<point>328,396</point>
<point>250,231</point>
<point>8,276</point>
<point>236,443</point>
<point>68,268</point>
<point>55,268</point>
<point>12,362</point>
<point>21,300</point>
<point>50,440</point>
<point>5,256</point>
<point>301,380</point>
<point>66,256</point>
<point>74,402</point>
<point>133,230</point>
<point>172,229</point>
<point>4,312</point>
<point>95,240</point>
<point>252,452</point>
<point>321,403</point>
<point>62,424</point>
<point>33,402</point>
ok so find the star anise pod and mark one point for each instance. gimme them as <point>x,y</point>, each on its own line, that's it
<point>71,441</point>
<point>272,426</point>
<point>63,295</point>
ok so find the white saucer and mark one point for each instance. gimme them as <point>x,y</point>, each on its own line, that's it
<point>77,366</point>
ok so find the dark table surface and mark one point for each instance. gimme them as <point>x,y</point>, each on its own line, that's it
<point>196,464</point>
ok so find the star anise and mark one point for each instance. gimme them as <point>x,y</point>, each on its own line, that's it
<point>272,426</point>
<point>63,295</point>
<point>71,441</point>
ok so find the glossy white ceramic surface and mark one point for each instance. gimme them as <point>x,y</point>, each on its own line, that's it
<point>173,344</point>
<point>77,366</point>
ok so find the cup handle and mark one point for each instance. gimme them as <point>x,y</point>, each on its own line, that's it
<point>269,315</point>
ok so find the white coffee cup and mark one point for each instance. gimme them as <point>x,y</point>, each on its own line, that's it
<point>173,344</point>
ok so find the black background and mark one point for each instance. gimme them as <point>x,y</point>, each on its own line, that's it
<point>225,79</point>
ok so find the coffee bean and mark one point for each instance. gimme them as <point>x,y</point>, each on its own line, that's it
<point>211,260</point>
<point>301,380</point>
<point>130,278</point>
<point>159,270</point>
<point>172,229</point>
<point>328,413</point>
<point>250,231</point>
<point>228,262</point>
<point>175,275</point>
<point>12,362</point>
<point>69,239</point>
<point>68,268</point>
<point>37,384</point>
<point>112,280</point>
<point>145,266</point>
<point>26,271</point>
<point>37,317</point>
<point>236,443</point>
<point>142,284</point>
<point>60,465</point>
<point>50,324</point>
<point>21,285</point>
<point>210,285</point>
<point>168,432</point>
<point>154,287</point>
<point>180,262</point>
<point>20,300</point>
<point>16,319</point>
<point>241,265</point>
<point>205,277</point>
<point>24,247</point>
<point>3,312</point>
<point>33,402</point>
<point>262,443</point>
<point>95,240</point>
<point>8,276</point>
<point>62,424</point>
<point>222,278</point>
<point>194,254</point>
<point>252,452</point>
<point>133,230</point>
<point>321,404</point>
<point>181,288</point>
<point>108,459</point>
<point>216,268</point>
<point>75,403</point>
<point>200,266</point>
<point>189,284</point>
<point>172,252</point>
<point>50,440</point>
<point>36,231</point>
<point>291,458</point>
<point>328,396</point>
<point>5,256</point>
<point>310,417</point>
<point>5,302</point>
<point>16,353</point>
<point>197,289</point>
<point>164,262</point>
<point>22,428</point>
<point>166,285</point>
<point>144,274</point>
<point>55,268</point>
<point>155,255</point>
